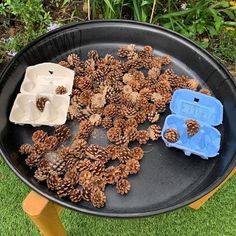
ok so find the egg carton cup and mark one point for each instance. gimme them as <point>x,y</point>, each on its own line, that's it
<point>25,111</point>
<point>207,111</point>
<point>46,77</point>
<point>42,80</point>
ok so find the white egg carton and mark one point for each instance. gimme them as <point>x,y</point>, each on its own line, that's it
<point>42,80</point>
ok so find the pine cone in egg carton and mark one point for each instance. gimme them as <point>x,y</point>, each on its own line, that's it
<point>60,90</point>
<point>41,102</point>
<point>193,127</point>
<point>171,135</point>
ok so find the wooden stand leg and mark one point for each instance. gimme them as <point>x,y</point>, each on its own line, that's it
<point>196,205</point>
<point>44,214</point>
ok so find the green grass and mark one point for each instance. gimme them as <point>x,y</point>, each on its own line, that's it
<point>216,217</point>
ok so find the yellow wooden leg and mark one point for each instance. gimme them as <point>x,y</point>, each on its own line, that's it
<point>196,205</point>
<point>44,214</point>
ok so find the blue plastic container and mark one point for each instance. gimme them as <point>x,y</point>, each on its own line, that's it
<point>208,111</point>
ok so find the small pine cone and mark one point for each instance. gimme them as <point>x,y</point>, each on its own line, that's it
<point>140,117</point>
<point>64,63</point>
<point>119,123</point>
<point>124,154</point>
<point>36,154</point>
<point>148,63</point>
<point>123,171</point>
<point>62,133</point>
<point>160,105</point>
<point>98,198</point>
<point>97,167</point>
<point>97,182</point>
<point>80,68</point>
<point>110,110</point>
<point>152,114</point>
<point>167,98</point>
<point>85,178</point>
<point>205,91</point>
<point>95,119</point>
<point>154,132</point>
<point>93,54</point>
<point>142,136</point>
<point>165,60</point>
<point>40,103</point>
<point>61,90</point>
<point>141,103</point>
<point>123,186</point>
<point>72,176</point>
<point>93,150</point>
<point>53,181</point>
<point>83,83</point>
<point>97,77</point>
<point>79,143</point>
<point>148,49</point>
<point>72,163</point>
<point>112,174</point>
<point>112,151</point>
<point>98,100</point>
<point>192,127</point>
<point>131,132</point>
<point>66,153</point>
<point>73,111</point>
<point>123,52</point>
<point>86,194</point>
<point>73,59</point>
<point>64,189</point>
<point>82,165</point>
<point>50,143</point>
<point>107,122</point>
<point>85,129</point>
<point>41,174</point>
<point>146,92</point>
<point>25,149</point>
<point>85,97</point>
<point>163,87</point>
<point>133,166</point>
<point>113,134</point>
<point>131,122</point>
<point>122,141</point>
<point>171,135</point>
<point>153,73</point>
<point>76,195</point>
<point>137,153</point>
<point>192,84</point>
<point>128,111</point>
<point>58,166</point>
<point>39,136</point>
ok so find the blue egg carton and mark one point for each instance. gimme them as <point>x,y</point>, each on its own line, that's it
<point>207,111</point>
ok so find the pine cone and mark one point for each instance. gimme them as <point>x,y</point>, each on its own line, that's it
<point>76,195</point>
<point>61,90</point>
<point>93,54</point>
<point>85,178</point>
<point>123,186</point>
<point>119,123</point>
<point>85,129</point>
<point>82,165</point>
<point>85,97</point>
<point>93,150</point>
<point>36,154</point>
<point>160,105</point>
<point>72,176</point>
<point>39,136</point>
<point>123,171</point>
<point>124,154</point>
<point>137,153</point>
<point>64,189</point>
<point>113,134</point>
<point>73,59</point>
<point>95,119</point>
<point>112,174</point>
<point>98,167</point>
<point>66,153</point>
<point>64,63</point>
<point>153,73</point>
<point>107,122</point>
<point>112,151</point>
<point>62,133</point>
<point>171,135</point>
<point>58,166</point>
<point>97,182</point>
<point>131,133</point>
<point>163,87</point>
<point>133,166</point>
<point>86,194</point>
<point>25,149</point>
<point>53,181</point>
<point>98,198</point>
<point>123,52</point>
<point>50,143</point>
<point>83,83</point>
<point>131,122</point>
<point>152,114</point>
<point>192,127</point>
<point>122,141</point>
<point>205,91</point>
<point>140,117</point>
<point>78,142</point>
<point>109,110</point>
<point>41,174</point>
<point>165,60</point>
<point>40,103</point>
<point>142,136</point>
<point>167,98</point>
<point>154,132</point>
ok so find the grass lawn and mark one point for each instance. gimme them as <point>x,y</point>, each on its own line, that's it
<point>216,217</point>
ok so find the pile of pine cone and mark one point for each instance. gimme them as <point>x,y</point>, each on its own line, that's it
<point>118,95</point>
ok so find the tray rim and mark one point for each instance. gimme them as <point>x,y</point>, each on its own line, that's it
<point>185,202</point>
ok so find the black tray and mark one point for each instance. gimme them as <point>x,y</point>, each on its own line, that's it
<point>168,179</point>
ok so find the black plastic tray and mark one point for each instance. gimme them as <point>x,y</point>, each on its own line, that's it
<point>168,179</point>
